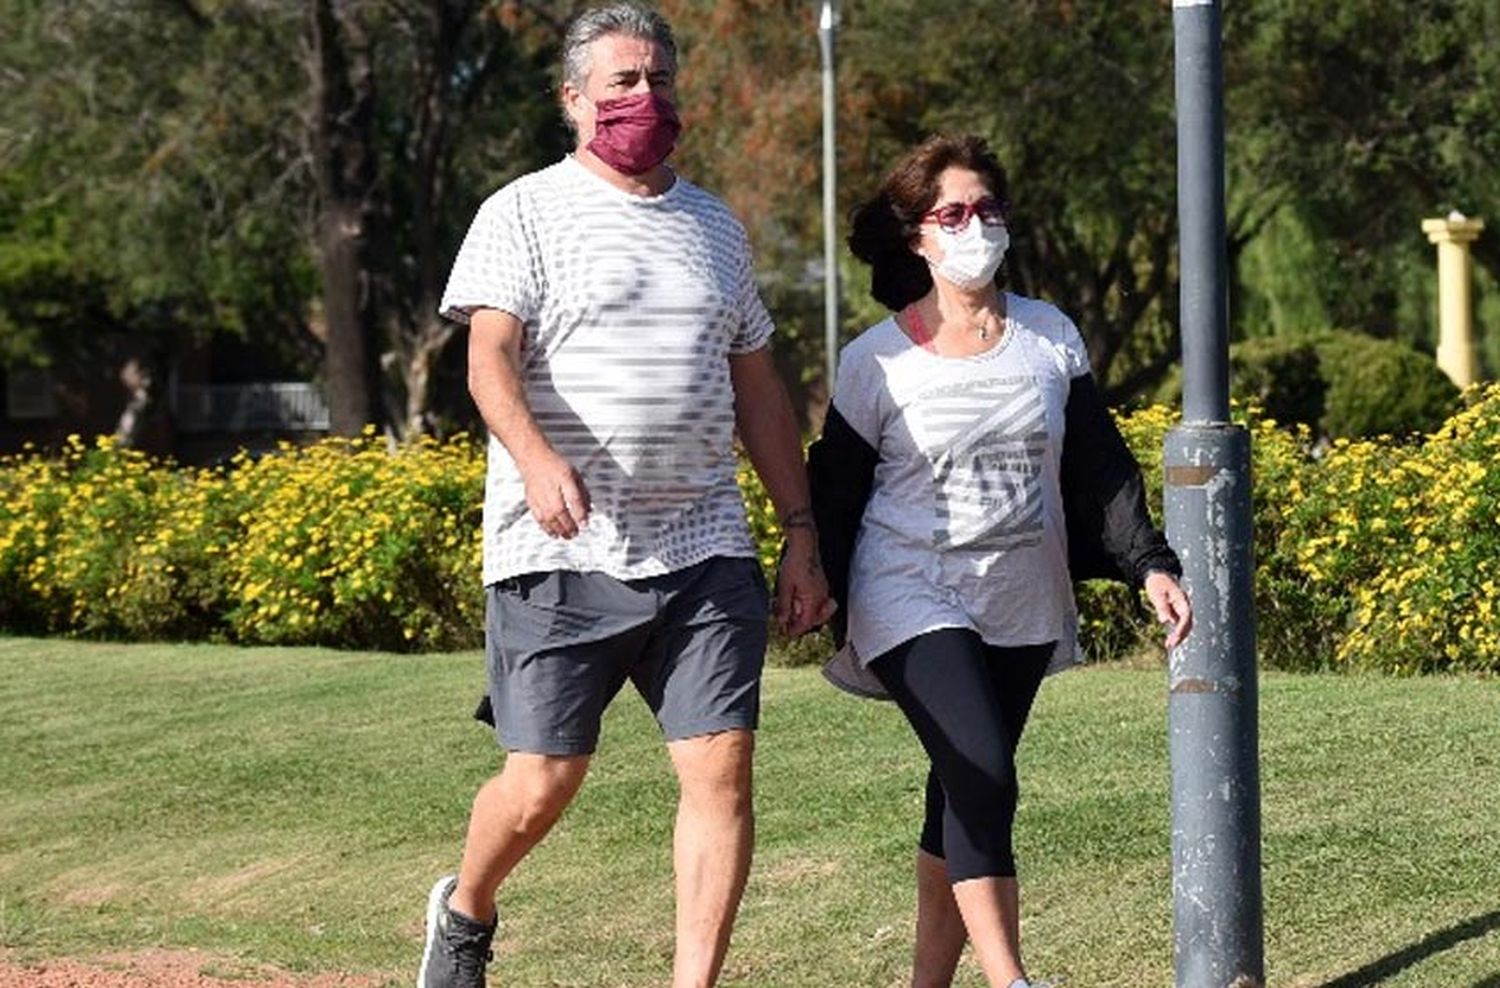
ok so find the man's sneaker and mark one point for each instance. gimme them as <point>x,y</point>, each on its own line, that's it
<point>458,948</point>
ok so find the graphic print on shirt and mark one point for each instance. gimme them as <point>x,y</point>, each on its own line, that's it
<point>986,441</point>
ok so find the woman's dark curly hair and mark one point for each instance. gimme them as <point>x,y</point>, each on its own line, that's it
<point>883,228</point>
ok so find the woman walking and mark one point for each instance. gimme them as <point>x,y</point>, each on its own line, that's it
<point>968,472</point>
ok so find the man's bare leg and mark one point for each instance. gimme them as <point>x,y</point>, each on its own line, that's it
<point>940,926</point>
<point>512,813</point>
<point>711,849</point>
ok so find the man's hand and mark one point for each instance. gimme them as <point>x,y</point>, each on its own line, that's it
<point>1172,606</point>
<point>556,494</point>
<point>802,601</point>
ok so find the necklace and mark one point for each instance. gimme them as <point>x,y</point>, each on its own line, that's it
<point>926,339</point>
<point>987,321</point>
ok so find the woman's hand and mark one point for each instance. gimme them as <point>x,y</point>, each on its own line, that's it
<point>1172,606</point>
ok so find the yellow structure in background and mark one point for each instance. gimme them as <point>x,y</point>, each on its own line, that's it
<point>1457,355</point>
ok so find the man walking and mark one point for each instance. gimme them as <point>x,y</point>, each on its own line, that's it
<point>617,340</point>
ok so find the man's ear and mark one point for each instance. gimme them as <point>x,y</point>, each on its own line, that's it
<point>570,97</point>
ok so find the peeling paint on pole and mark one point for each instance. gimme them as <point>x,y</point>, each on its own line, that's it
<point>1212,715</point>
<point>1218,940</point>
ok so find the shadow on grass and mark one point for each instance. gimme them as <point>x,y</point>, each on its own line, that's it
<point>1378,970</point>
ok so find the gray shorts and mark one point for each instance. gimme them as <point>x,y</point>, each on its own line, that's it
<point>559,646</point>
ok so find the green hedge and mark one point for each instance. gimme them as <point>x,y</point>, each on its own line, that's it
<point>1337,383</point>
<point>1381,554</point>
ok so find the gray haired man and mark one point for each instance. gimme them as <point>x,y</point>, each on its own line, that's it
<point>617,343</point>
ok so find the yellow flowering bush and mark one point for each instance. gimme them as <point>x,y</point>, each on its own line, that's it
<point>1113,622</point>
<point>32,495</point>
<point>1397,546</point>
<point>338,543</point>
<point>765,529</point>
<point>1380,554</point>
<point>90,541</point>
<point>345,543</point>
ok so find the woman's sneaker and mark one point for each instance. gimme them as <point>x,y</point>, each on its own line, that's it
<point>458,948</point>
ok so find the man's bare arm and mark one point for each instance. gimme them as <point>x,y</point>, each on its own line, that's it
<point>556,494</point>
<point>768,429</point>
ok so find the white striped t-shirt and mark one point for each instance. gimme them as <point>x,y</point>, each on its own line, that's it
<point>632,306</point>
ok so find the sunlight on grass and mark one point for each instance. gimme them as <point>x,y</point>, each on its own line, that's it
<point>292,806</point>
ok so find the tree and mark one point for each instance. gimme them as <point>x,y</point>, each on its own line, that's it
<point>1343,128</point>
<point>421,109</point>
<point>1371,115</point>
<point>342,76</point>
<point>750,98</point>
<point>141,189</point>
<point>417,111</point>
<point>1076,100</point>
<point>466,105</point>
<point>300,173</point>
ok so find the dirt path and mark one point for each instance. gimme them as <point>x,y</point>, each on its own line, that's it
<point>164,969</point>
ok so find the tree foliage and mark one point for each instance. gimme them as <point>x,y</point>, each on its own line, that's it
<point>143,160</point>
<point>297,173</point>
<point>1349,125</point>
<point>180,167</point>
<point>1369,116</point>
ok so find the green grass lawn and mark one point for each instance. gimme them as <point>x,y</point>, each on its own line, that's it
<point>293,807</point>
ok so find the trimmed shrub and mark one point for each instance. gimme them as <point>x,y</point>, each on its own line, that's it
<point>1382,554</point>
<point>1283,378</point>
<point>1381,387</point>
<point>1337,383</point>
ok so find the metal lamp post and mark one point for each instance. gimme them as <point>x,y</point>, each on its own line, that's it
<point>828,23</point>
<point>1211,709</point>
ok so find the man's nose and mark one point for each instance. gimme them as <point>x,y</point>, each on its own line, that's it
<point>642,85</point>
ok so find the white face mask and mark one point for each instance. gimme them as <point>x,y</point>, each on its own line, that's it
<point>972,255</point>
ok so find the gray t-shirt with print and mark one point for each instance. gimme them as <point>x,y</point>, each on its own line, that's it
<point>964,527</point>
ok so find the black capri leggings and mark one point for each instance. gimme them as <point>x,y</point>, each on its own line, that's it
<point>968,703</point>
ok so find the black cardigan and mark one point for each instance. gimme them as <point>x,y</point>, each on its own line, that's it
<point>1110,534</point>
